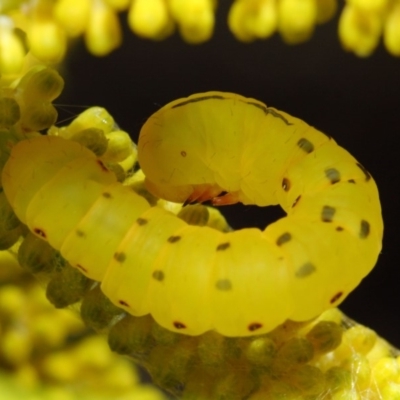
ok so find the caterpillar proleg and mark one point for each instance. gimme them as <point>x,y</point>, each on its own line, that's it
<point>220,147</point>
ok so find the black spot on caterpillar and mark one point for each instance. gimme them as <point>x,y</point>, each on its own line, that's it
<point>193,279</point>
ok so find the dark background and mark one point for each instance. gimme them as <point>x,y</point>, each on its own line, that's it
<point>355,100</point>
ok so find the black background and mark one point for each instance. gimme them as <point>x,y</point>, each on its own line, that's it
<point>353,99</point>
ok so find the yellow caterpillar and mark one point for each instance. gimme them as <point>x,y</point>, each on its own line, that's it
<point>220,147</point>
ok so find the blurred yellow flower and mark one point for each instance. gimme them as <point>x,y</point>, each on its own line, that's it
<point>44,27</point>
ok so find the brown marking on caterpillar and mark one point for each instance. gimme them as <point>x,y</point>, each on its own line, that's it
<point>286,184</point>
<point>120,257</point>
<point>296,201</point>
<point>336,297</point>
<point>363,169</point>
<point>262,107</point>
<point>123,303</point>
<point>81,268</point>
<point>107,195</point>
<point>183,153</point>
<point>268,110</point>
<point>305,145</point>
<point>333,175</point>
<point>101,165</point>
<point>254,326</point>
<point>80,233</point>
<point>351,181</point>
<point>179,325</point>
<point>284,238</point>
<point>40,232</point>
<point>158,275</point>
<point>142,221</point>
<point>224,285</point>
<point>305,270</point>
<point>327,213</point>
<point>365,229</point>
<point>174,239</point>
<point>197,99</point>
<point>339,228</point>
<point>223,246</point>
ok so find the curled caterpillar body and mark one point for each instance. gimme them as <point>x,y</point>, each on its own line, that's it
<point>193,279</point>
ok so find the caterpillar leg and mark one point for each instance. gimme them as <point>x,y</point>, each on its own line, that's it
<point>203,193</point>
<point>226,199</point>
<point>214,194</point>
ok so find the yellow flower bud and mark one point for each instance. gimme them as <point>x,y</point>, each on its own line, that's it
<point>386,370</point>
<point>253,19</point>
<point>72,15</point>
<point>93,117</point>
<point>369,5</point>
<point>148,18</point>
<point>119,147</point>
<point>103,33</point>
<point>15,346</point>
<point>195,19</point>
<point>359,31</point>
<point>297,19</point>
<point>12,51</point>
<point>326,9</point>
<point>118,4</point>
<point>47,40</point>
<point>391,35</point>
